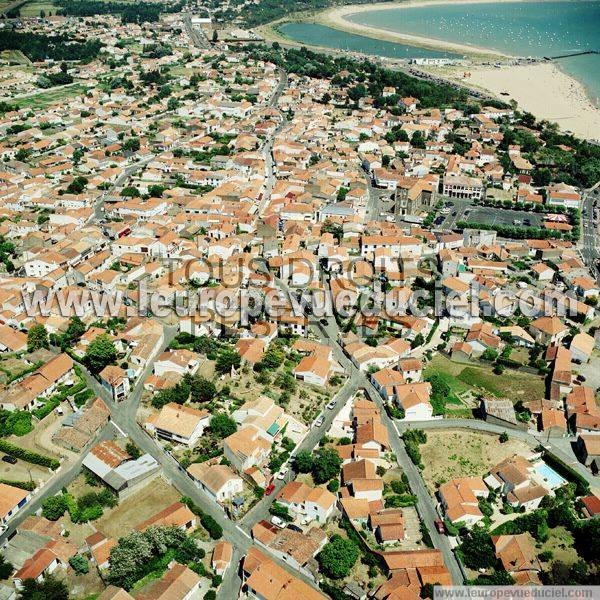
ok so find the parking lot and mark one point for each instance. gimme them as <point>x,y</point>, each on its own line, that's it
<point>464,210</point>
<point>501,216</point>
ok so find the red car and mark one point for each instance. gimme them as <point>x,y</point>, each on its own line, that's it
<point>269,489</point>
<point>441,528</point>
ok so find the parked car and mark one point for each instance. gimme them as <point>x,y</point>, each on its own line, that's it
<point>439,525</point>
<point>269,489</point>
<point>278,522</point>
<point>295,528</point>
<point>9,459</point>
<point>320,421</point>
<point>281,475</point>
<point>331,405</point>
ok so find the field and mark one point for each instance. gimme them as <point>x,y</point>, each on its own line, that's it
<point>33,9</point>
<point>48,97</point>
<point>463,378</point>
<point>15,57</point>
<point>462,453</point>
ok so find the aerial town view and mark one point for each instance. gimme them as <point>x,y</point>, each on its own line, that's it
<point>298,299</point>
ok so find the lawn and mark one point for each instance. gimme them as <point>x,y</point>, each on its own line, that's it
<point>48,97</point>
<point>15,57</point>
<point>511,384</point>
<point>33,9</point>
<point>560,543</point>
<point>461,453</point>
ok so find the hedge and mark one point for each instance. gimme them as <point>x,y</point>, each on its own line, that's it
<point>24,485</point>
<point>583,487</point>
<point>28,455</point>
<point>212,527</point>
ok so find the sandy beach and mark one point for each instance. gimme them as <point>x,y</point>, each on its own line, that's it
<point>543,90</point>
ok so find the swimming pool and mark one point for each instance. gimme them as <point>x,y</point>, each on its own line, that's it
<point>548,476</point>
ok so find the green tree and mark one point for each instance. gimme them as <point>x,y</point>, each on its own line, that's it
<point>202,390</point>
<point>54,507</point>
<point>49,588</point>
<point>132,449</point>
<point>100,353</point>
<point>303,461</point>
<point>6,568</point>
<point>503,437</point>
<point>338,557</point>
<point>326,465</point>
<point>227,359</point>
<point>37,337</point>
<point>477,550</point>
<point>222,425</point>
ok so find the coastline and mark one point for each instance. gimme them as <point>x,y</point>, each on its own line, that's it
<point>570,105</point>
<point>335,18</point>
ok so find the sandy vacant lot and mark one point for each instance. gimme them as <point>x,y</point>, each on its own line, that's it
<point>158,494</point>
<point>459,453</point>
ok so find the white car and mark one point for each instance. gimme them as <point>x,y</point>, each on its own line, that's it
<point>278,522</point>
<point>281,475</point>
<point>331,405</point>
<point>320,421</point>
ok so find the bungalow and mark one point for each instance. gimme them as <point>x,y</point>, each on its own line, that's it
<point>513,478</point>
<point>314,503</point>
<point>12,340</point>
<point>221,557</point>
<point>246,448</point>
<point>178,583</point>
<point>518,557</point>
<point>12,499</point>
<point>41,383</point>
<point>218,480</point>
<point>548,330</point>
<point>44,562</point>
<point>179,361</point>
<point>179,424</point>
<point>581,347</point>
<point>413,398</point>
<point>175,515</point>
<point>460,499</point>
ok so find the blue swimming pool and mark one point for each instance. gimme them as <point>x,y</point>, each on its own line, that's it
<point>548,476</point>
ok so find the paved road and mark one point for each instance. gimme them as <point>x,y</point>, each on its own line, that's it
<point>589,232</point>
<point>311,441</point>
<point>267,148</point>
<point>197,36</point>
<point>58,481</point>
<point>426,506</point>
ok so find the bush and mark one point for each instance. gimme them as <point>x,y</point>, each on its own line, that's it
<point>333,486</point>
<point>82,397</point>
<point>212,527</point>
<point>80,564</point>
